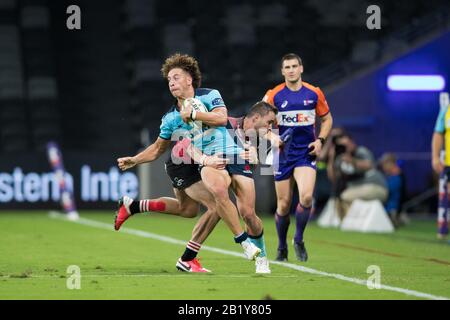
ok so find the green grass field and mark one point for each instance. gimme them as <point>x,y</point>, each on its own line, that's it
<point>36,251</point>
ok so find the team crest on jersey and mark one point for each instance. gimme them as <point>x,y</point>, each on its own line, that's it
<point>284,105</point>
<point>217,102</point>
<point>178,181</point>
<point>247,169</point>
<point>307,102</point>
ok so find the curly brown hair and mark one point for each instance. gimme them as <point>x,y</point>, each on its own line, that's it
<point>186,63</point>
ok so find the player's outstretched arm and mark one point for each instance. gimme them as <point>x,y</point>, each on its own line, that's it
<point>151,153</point>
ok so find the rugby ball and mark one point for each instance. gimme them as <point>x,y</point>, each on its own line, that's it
<point>198,106</point>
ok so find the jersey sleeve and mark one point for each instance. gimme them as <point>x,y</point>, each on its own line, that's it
<point>322,104</point>
<point>268,97</point>
<point>165,130</point>
<point>213,100</point>
<point>440,122</point>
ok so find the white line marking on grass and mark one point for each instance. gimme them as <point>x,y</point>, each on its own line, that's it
<point>145,234</point>
<point>143,275</point>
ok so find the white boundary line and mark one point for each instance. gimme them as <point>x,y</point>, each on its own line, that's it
<point>145,234</point>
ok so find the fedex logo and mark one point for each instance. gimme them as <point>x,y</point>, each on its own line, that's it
<point>297,118</point>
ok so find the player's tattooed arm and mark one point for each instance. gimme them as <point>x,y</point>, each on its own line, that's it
<point>151,153</point>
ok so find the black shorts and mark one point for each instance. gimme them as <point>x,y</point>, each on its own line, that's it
<point>182,175</point>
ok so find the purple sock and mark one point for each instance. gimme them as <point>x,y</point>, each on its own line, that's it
<point>282,223</point>
<point>302,217</point>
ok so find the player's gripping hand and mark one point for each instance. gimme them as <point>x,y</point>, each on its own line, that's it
<point>250,154</point>
<point>275,140</point>
<point>186,112</point>
<point>126,163</point>
<point>315,147</point>
<point>215,162</point>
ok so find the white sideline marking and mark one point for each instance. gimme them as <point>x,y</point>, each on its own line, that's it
<point>142,275</point>
<point>145,234</point>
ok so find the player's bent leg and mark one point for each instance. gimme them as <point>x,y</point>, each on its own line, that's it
<point>210,218</point>
<point>182,206</point>
<point>283,189</point>
<point>218,182</point>
<point>305,178</point>
<point>244,189</point>
<point>187,206</point>
<point>201,231</point>
<point>203,227</point>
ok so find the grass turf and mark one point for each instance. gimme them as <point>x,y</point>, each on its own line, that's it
<point>36,251</point>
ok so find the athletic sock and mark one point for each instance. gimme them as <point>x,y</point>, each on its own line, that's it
<point>443,205</point>
<point>259,242</point>
<point>302,217</point>
<point>241,238</point>
<point>282,224</point>
<point>192,249</point>
<point>147,206</point>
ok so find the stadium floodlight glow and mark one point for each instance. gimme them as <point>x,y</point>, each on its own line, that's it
<point>416,82</point>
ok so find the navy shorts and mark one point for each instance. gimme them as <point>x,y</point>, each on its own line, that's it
<point>237,166</point>
<point>287,164</point>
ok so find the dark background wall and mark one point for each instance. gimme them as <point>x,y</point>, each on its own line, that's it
<point>393,121</point>
<point>98,91</point>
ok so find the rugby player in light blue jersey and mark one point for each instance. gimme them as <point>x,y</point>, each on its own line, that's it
<point>184,77</point>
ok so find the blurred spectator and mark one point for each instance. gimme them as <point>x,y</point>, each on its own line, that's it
<point>396,188</point>
<point>328,155</point>
<point>352,169</point>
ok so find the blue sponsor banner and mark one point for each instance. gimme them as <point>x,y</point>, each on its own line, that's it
<point>84,181</point>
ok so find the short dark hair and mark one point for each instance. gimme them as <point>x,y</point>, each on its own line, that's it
<point>186,63</point>
<point>262,108</point>
<point>291,56</point>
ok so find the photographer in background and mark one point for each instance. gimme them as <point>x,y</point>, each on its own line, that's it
<point>352,169</point>
<point>396,183</point>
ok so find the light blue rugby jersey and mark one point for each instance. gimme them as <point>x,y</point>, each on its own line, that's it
<point>213,139</point>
